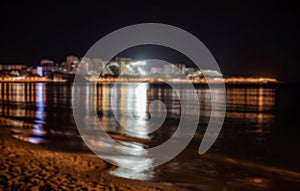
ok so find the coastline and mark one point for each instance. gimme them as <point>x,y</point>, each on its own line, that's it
<point>155,80</point>
<point>27,166</point>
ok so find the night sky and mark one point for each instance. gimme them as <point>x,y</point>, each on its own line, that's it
<point>257,39</point>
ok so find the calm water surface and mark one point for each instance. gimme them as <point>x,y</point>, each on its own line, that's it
<point>261,126</point>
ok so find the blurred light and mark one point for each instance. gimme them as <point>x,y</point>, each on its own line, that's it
<point>141,71</point>
<point>138,63</point>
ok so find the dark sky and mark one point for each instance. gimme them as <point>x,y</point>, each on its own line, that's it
<point>259,39</point>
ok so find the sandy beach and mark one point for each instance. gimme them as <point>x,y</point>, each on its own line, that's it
<point>25,166</point>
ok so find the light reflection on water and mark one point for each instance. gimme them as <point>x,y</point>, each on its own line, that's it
<point>41,113</point>
<point>38,109</point>
<point>14,113</point>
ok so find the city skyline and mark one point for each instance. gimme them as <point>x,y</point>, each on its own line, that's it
<point>96,68</point>
<point>245,38</point>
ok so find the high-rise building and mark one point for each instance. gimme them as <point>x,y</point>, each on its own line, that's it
<point>71,63</point>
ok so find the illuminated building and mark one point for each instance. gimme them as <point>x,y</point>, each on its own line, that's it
<point>156,70</point>
<point>39,71</point>
<point>13,69</point>
<point>46,62</point>
<point>71,63</point>
<point>179,68</point>
<point>123,65</point>
<point>169,69</point>
<point>83,66</point>
<point>211,73</point>
<point>46,67</point>
<point>12,66</point>
<point>96,65</point>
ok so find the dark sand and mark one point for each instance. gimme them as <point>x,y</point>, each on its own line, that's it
<point>24,166</point>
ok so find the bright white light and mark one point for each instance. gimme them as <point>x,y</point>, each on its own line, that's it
<point>141,71</point>
<point>40,71</point>
<point>139,63</point>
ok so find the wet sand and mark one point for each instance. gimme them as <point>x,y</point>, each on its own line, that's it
<point>24,166</point>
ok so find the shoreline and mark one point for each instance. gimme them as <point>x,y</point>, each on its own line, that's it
<point>34,167</point>
<point>28,166</point>
<point>156,80</point>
